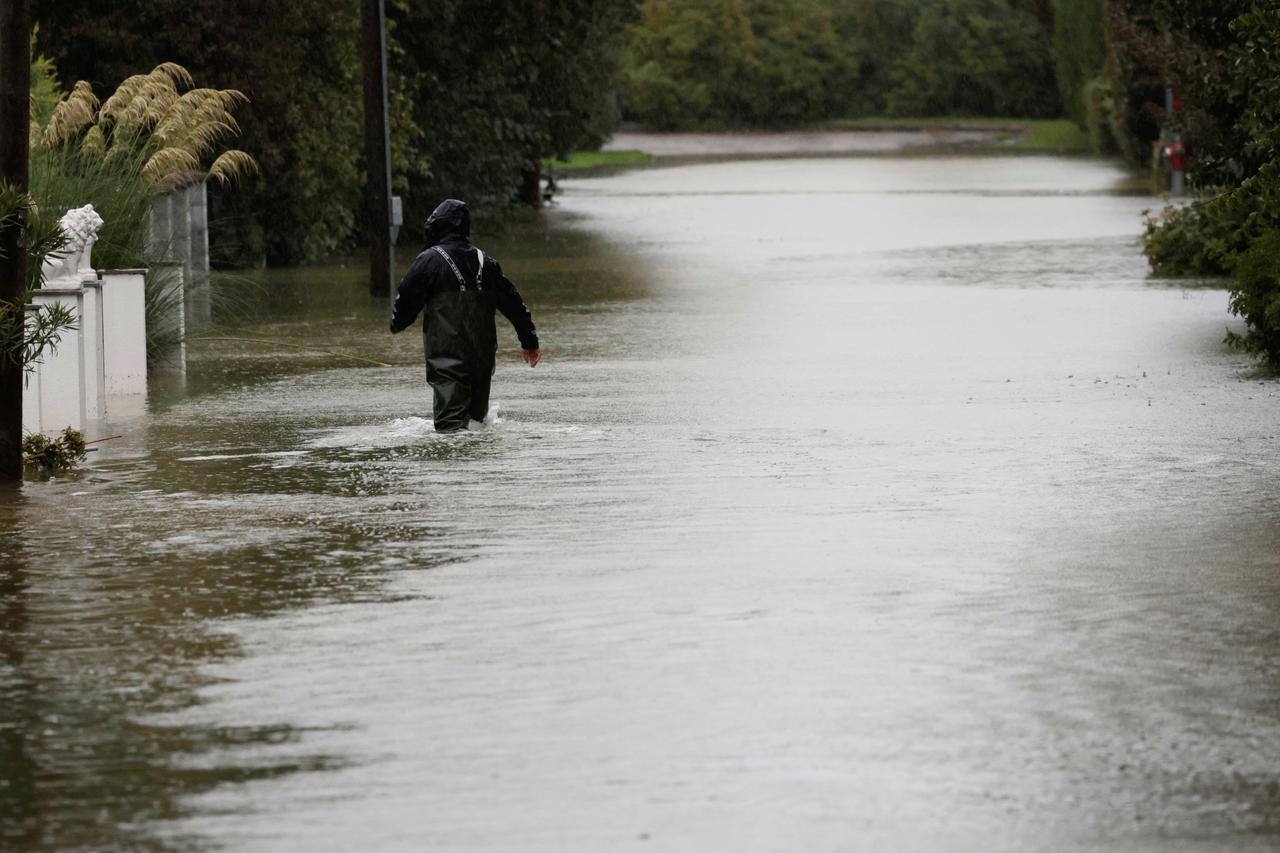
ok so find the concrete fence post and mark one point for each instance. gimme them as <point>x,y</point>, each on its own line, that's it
<point>169,314</point>
<point>196,266</point>
<point>124,325</point>
<point>178,232</point>
<point>61,366</point>
<point>91,338</point>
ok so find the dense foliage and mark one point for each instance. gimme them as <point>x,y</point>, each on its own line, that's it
<point>486,90</point>
<point>479,91</point>
<point>1223,62</point>
<point>737,62</point>
<point>156,132</point>
<point>976,57</point>
<point>764,63</point>
<point>302,122</point>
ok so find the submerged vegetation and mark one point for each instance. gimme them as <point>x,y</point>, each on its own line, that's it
<point>48,457</point>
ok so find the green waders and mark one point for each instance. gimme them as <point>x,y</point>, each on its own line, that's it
<point>461,345</point>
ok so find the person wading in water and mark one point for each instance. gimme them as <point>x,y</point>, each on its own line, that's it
<point>458,288</point>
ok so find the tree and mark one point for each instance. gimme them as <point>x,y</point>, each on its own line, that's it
<point>875,33</point>
<point>779,63</point>
<point>500,85</point>
<point>976,57</point>
<point>1079,48</point>
<point>684,61</point>
<point>725,63</point>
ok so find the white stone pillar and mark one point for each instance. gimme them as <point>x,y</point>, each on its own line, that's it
<point>169,313</point>
<point>61,367</point>
<point>199,306</point>
<point>31,384</point>
<point>124,333</point>
<point>91,344</point>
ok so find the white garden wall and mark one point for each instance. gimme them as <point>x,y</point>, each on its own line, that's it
<point>99,369</point>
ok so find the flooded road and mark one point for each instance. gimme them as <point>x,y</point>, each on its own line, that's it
<point>876,504</point>
<point>812,142</point>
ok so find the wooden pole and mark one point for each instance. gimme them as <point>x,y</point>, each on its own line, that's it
<point>377,146</point>
<point>15,117</point>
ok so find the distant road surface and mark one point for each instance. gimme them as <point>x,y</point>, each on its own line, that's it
<point>794,142</point>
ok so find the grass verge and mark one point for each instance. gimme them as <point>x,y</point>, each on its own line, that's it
<point>1058,136</point>
<point>599,160</point>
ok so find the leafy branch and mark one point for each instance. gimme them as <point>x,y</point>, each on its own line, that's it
<point>23,342</point>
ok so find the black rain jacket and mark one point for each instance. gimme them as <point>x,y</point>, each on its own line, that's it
<point>430,276</point>
<point>458,298</point>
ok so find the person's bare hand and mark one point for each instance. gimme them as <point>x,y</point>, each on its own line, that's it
<point>531,356</point>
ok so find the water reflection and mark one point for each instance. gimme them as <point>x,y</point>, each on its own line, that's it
<point>100,629</point>
<point>17,694</point>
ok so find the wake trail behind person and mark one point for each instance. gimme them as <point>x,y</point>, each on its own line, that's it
<point>458,288</point>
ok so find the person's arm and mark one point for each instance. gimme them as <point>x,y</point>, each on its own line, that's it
<point>513,308</point>
<point>411,295</point>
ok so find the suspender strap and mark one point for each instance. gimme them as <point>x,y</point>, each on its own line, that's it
<point>462,282</point>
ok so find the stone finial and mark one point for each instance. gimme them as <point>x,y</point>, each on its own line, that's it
<point>81,227</point>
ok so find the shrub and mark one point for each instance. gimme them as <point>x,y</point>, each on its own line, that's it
<point>1256,298</point>
<point>1185,241</point>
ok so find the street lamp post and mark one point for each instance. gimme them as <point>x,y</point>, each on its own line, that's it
<point>377,146</point>
<point>15,115</point>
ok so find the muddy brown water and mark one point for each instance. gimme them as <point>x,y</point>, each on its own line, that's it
<point>857,504</point>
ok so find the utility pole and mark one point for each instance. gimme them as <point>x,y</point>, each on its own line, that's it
<point>15,117</point>
<point>377,146</point>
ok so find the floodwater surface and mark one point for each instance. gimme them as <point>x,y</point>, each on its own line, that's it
<point>858,504</point>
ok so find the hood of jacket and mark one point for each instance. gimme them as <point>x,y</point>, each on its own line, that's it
<point>450,219</point>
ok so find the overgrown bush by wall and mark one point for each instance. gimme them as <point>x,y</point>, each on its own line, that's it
<point>1256,298</point>
<point>1235,98</point>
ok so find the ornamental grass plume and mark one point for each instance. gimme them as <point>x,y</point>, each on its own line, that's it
<point>157,124</point>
